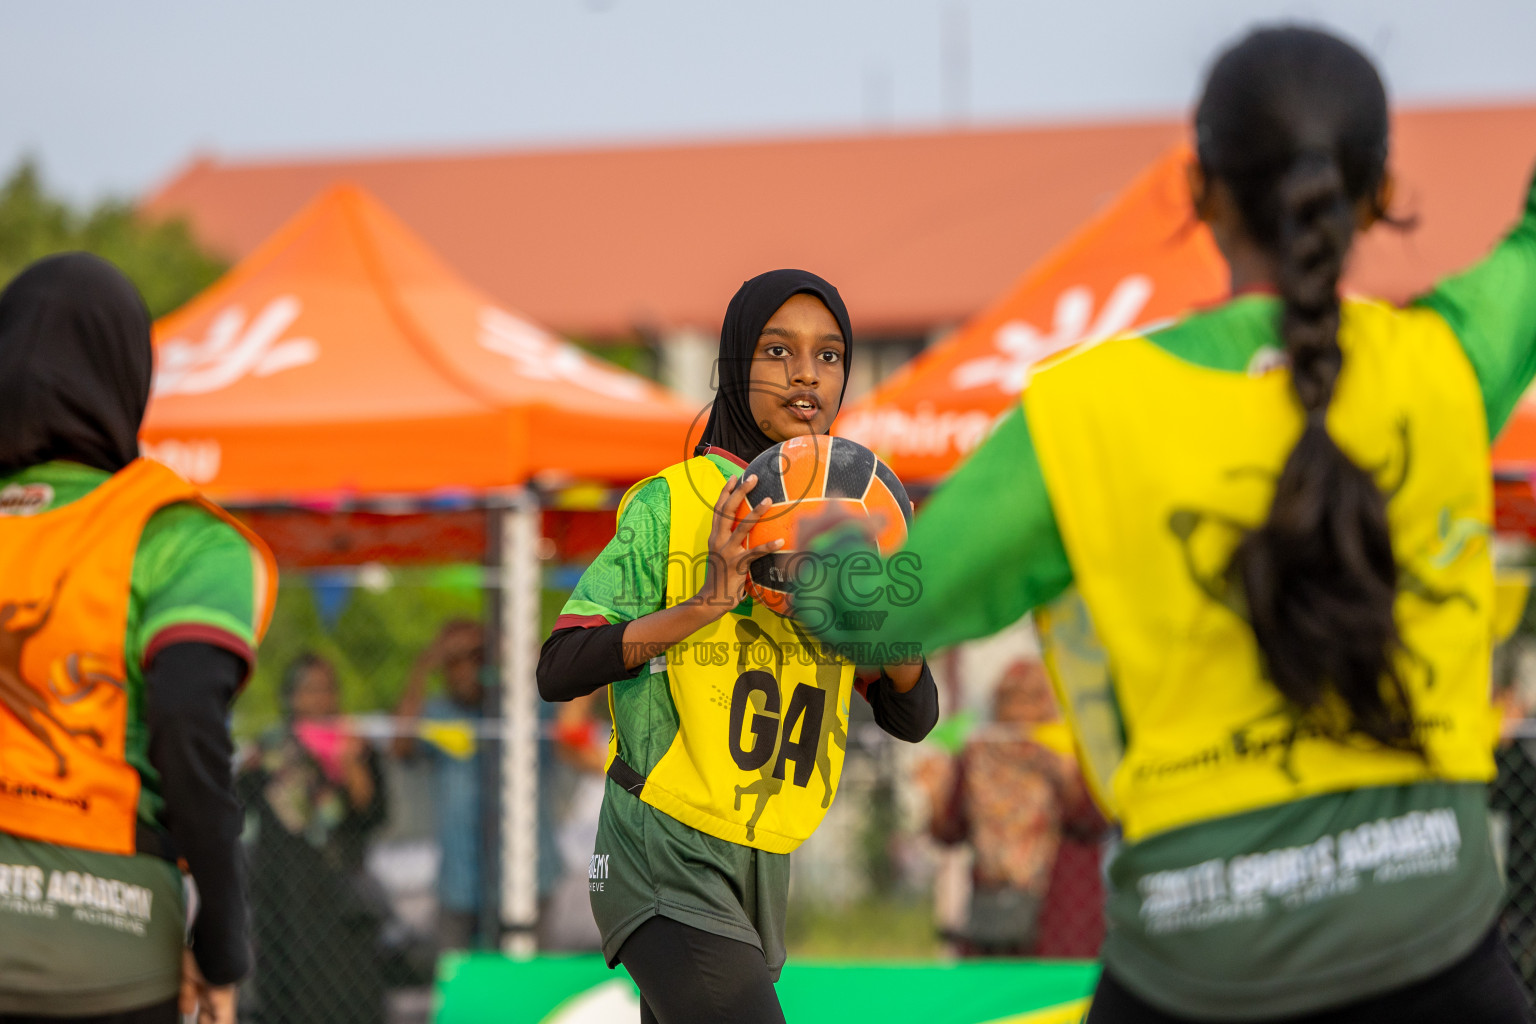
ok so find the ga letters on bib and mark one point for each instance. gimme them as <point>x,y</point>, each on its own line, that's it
<point>762,708</point>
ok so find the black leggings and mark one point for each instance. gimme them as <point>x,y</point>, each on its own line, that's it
<point>1481,988</point>
<point>688,976</point>
<point>160,1013</point>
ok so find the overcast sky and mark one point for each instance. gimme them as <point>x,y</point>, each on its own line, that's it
<point>113,96</point>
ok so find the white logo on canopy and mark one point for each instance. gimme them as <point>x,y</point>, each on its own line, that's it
<point>197,460</point>
<point>540,356</point>
<point>1023,344</point>
<point>234,348</point>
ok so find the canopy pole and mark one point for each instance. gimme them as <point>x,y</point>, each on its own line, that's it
<point>520,529</point>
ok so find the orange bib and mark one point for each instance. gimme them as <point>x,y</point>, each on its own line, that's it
<point>65,578</point>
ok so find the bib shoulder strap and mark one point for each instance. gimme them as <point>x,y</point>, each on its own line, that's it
<point>142,484</point>
<point>695,472</point>
<point>629,495</point>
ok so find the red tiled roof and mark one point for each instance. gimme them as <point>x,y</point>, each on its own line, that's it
<point>918,230</point>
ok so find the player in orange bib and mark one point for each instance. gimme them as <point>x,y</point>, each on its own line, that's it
<point>130,607</point>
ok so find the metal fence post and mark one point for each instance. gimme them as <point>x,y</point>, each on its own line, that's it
<point>520,531</point>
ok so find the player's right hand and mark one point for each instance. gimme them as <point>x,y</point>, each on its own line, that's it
<point>730,559</point>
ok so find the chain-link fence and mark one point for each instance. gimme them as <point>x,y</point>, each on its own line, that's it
<point>365,770</point>
<point>1512,797</point>
<point>367,766</point>
<point>1514,832</point>
<point>372,819</point>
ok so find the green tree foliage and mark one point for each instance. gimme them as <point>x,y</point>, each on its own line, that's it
<point>160,257</point>
<point>373,642</point>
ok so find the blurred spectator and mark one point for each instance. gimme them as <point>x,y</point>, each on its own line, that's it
<point>313,794</point>
<point>458,653</point>
<point>1013,790</point>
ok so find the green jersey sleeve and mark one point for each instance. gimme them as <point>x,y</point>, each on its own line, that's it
<point>984,551</point>
<point>629,576</point>
<point>1491,307</point>
<point>194,579</point>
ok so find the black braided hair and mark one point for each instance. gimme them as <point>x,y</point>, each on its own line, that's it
<point>1294,122</point>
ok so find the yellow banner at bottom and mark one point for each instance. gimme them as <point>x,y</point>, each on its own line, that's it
<point>1067,1013</point>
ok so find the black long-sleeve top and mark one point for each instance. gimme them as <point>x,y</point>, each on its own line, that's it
<point>188,690</point>
<point>579,660</point>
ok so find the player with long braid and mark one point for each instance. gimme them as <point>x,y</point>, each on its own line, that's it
<point>1258,538</point>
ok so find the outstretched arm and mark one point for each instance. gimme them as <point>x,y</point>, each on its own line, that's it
<point>983,552</point>
<point>1491,307</point>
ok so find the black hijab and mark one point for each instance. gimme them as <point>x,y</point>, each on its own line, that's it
<point>731,426</point>
<point>75,365</point>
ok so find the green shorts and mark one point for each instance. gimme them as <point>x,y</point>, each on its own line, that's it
<point>649,864</point>
<point>85,933</point>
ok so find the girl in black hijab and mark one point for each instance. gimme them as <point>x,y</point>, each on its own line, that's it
<point>75,370</point>
<point>695,916</point>
<point>75,365</point>
<point>735,424</point>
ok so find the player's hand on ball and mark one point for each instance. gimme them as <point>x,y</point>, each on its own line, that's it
<point>730,559</point>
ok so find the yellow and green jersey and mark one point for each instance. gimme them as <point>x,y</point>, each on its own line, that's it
<point>1321,875</point>
<point>647,862</point>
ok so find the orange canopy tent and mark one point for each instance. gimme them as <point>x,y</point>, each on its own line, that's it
<point>1142,259</point>
<point>342,356</point>
<point>342,359</point>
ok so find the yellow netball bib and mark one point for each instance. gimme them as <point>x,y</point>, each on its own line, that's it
<point>1156,467</point>
<point>762,709</point>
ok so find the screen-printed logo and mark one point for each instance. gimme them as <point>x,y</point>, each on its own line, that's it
<point>1020,345</point>
<point>541,356</point>
<point>235,347</point>
<point>25,499</point>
